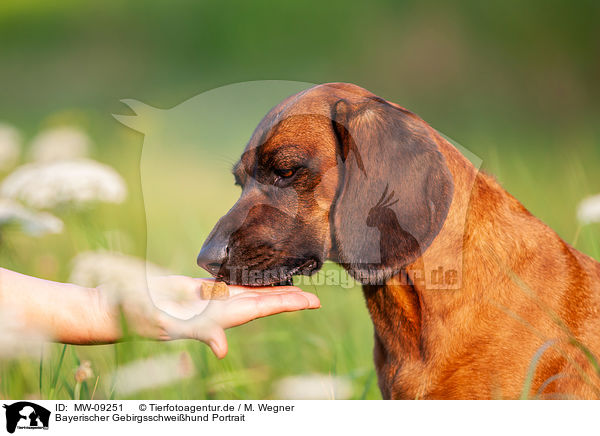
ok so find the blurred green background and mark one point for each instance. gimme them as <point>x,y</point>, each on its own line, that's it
<point>517,83</point>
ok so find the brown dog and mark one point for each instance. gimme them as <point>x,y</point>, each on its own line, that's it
<point>470,295</point>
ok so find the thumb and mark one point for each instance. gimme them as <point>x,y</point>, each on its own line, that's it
<point>211,334</point>
<point>218,343</point>
<point>201,329</point>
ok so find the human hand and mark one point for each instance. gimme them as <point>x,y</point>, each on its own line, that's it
<point>180,313</point>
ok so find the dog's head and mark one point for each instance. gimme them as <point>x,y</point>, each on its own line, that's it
<point>336,173</point>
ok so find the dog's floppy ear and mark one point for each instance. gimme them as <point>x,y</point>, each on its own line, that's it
<point>395,189</point>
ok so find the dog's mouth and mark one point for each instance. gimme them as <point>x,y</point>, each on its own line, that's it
<point>276,276</point>
<point>307,268</point>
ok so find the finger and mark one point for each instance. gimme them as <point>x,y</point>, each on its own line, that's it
<point>272,304</point>
<point>284,288</point>
<point>258,294</point>
<point>236,289</point>
<point>202,329</point>
<point>244,310</point>
<point>313,300</point>
<point>218,343</point>
<point>211,334</point>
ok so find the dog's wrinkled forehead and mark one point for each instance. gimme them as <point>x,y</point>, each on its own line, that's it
<point>308,109</point>
<point>297,126</point>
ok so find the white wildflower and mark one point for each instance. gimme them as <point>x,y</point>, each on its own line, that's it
<point>313,387</point>
<point>46,185</point>
<point>121,276</point>
<point>31,222</point>
<point>589,210</point>
<point>60,143</point>
<point>84,371</point>
<point>10,146</point>
<point>151,373</point>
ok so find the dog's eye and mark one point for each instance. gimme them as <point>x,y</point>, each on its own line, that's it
<point>285,173</point>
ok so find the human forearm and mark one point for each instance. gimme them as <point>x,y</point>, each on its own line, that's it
<point>77,315</point>
<point>58,311</point>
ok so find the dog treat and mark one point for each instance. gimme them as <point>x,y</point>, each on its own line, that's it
<point>214,291</point>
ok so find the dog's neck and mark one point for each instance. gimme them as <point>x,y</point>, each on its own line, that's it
<point>396,311</point>
<point>408,311</point>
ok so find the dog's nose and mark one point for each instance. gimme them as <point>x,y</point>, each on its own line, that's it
<point>212,256</point>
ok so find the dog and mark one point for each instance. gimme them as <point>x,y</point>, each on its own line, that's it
<point>471,296</point>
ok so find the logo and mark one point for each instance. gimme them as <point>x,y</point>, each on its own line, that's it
<point>26,415</point>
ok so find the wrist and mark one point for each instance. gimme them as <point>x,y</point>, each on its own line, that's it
<point>87,317</point>
<point>101,319</point>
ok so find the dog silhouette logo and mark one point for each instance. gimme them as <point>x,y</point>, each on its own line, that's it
<point>26,415</point>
